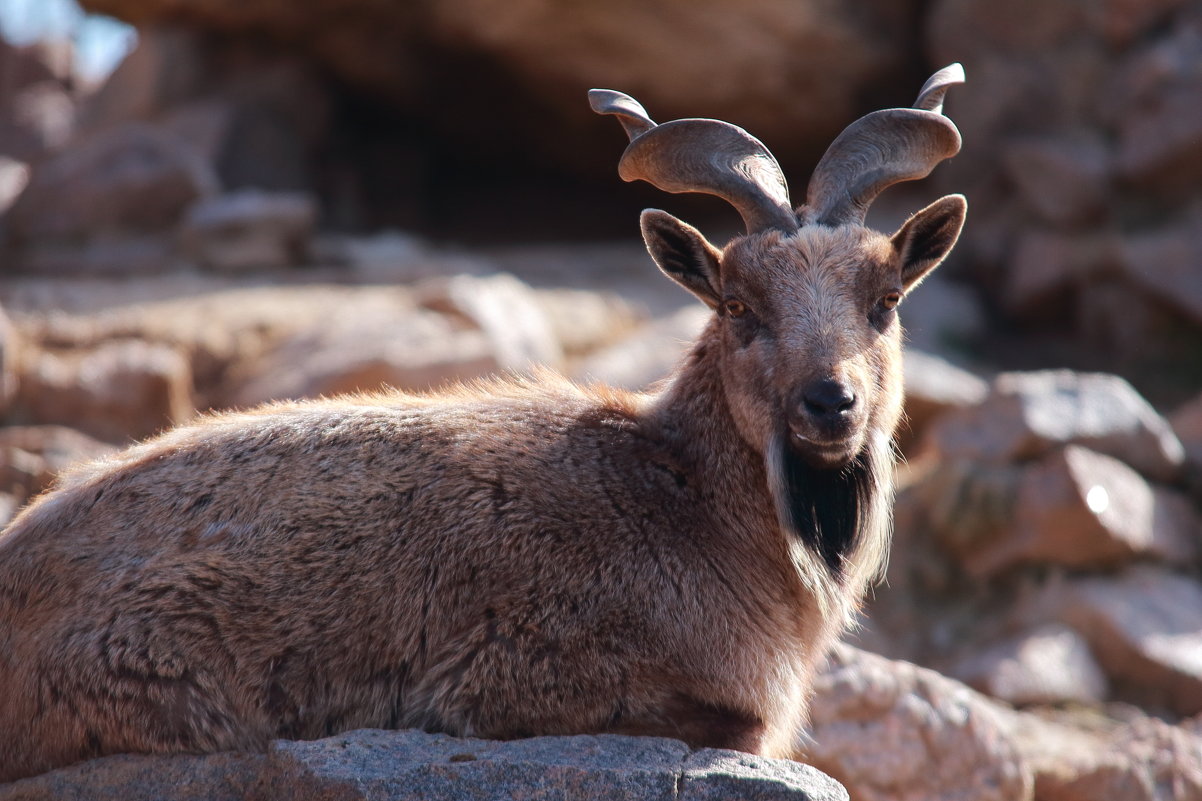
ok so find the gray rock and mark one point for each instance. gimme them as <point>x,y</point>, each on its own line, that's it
<point>648,354</point>
<point>1029,414</point>
<point>1165,263</point>
<point>250,229</point>
<point>399,766</point>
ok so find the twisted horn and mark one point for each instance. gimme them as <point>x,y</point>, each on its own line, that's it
<point>881,149</point>
<point>696,155</point>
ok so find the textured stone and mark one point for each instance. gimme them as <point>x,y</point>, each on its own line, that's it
<point>31,456</point>
<point>1063,180</point>
<point>1187,425</point>
<point>1028,414</point>
<point>1165,263</point>
<point>505,310</point>
<point>129,178</point>
<point>935,386</point>
<point>1050,665</point>
<point>411,765</point>
<point>365,349</point>
<point>648,354</point>
<point>1145,628</point>
<point>1047,264</point>
<point>1077,508</point>
<point>116,391</point>
<point>1143,760</point>
<point>892,731</point>
<point>250,229</point>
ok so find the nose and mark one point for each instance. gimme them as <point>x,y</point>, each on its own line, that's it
<point>828,399</point>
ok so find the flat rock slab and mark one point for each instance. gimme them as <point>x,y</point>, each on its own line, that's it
<point>397,766</point>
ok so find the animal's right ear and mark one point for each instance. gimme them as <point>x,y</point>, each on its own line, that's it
<point>683,254</point>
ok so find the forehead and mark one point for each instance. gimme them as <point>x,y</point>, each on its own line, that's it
<point>838,258</point>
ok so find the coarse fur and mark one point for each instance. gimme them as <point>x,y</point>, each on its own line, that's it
<point>514,558</point>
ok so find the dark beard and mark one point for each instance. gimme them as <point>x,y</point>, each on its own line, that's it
<point>828,509</point>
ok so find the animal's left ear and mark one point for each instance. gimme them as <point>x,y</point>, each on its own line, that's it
<point>926,238</point>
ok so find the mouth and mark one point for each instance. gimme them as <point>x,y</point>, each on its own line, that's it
<point>824,453</point>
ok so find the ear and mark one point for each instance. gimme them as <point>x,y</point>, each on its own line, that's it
<point>925,239</point>
<point>683,254</point>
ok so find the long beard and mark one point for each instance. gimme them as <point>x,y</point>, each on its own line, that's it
<point>841,515</point>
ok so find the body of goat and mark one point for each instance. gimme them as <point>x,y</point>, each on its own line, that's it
<point>527,557</point>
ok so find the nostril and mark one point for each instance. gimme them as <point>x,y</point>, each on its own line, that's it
<point>828,397</point>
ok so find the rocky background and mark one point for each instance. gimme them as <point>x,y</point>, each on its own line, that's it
<point>271,200</point>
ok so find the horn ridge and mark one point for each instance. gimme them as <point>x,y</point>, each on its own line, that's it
<point>702,155</point>
<point>879,150</point>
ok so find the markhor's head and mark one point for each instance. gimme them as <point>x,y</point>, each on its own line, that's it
<point>805,302</point>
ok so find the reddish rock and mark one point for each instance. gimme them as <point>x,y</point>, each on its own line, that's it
<point>1145,627</point>
<point>1187,424</point>
<point>1051,664</point>
<point>131,178</point>
<point>1046,265</point>
<point>1029,414</point>
<point>891,731</point>
<point>1063,180</point>
<point>648,354</point>
<point>935,386</point>
<point>505,310</point>
<point>117,391</point>
<point>32,456</point>
<point>1077,508</point>
<point>1165,263</point>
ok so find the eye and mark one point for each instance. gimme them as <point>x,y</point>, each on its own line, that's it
<point>890,301</point>
<point>733,308</point>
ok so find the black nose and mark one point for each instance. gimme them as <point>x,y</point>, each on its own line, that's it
<point>828,398</point>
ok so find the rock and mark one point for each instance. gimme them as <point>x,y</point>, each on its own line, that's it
<point>648,355</point>
<point>1158,142</point>
<point>117,391</point>
<point>14,176</point>
<point>506,310</point>
<point>1028,414</point>
<point>131,178</point>
<point>1046,265</point>
<point>10,358</point>
<point>1144,760</point>
<point>104,254</point>
<point>891,730</point>
<point>935,386</point>
<point>1165,263</point>
<point>37,120</point>
<point>363,346</point>
<point>1063,180</point>
<point>9,506</point>
<point>397,766</point>
<point>534,57</point>
<point>942,316</point>
<point>32,456</point>
<point>1051,664</point>
<point>583,321</point>
<point>1145,628</point>
<point>1187,425</point>
<point>250,229</point>
<point>1077,508</point>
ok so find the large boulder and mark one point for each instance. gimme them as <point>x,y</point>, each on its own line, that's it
<point>411,765</point>
<point>892,731</point>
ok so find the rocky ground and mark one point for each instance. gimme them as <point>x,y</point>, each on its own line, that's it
<point>204,232</point>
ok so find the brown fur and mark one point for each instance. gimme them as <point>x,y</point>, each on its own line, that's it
<point>516,558</point>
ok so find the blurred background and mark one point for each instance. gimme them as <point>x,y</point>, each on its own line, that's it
<point>207,204</point>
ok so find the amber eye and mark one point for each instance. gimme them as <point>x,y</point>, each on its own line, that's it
<point>734,308</point>
<point>891,300</point>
